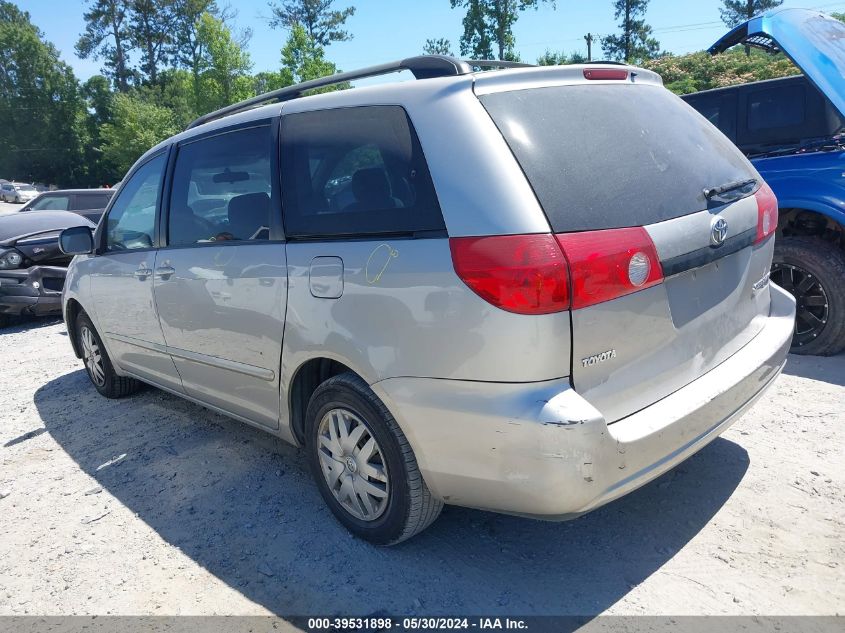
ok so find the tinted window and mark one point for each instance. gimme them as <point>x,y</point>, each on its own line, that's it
<point>719,109</point>
<point>51,203</point>
<point>610,156</point>
<point>775,108</point>
<point>92,200</point>
<point>131,220</point>
<point>355,171</point>
<point>222,189</point>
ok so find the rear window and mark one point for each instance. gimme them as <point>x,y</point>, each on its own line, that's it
<point>86,201</point>
<point>612,156</point>
<point>776,108</point>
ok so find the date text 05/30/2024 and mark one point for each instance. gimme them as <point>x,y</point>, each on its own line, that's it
<point>416,623</point>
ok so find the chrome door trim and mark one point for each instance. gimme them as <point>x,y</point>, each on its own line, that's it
<point>129,340</point>
<point>221,363</point>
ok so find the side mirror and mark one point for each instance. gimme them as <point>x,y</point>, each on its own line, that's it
<point>77,240</point>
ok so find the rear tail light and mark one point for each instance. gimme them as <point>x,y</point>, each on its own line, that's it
<point>767,212</point>
<point>525,274</point>
<point>528,274</point>
<point>605,73</point>
<point>604,265</point>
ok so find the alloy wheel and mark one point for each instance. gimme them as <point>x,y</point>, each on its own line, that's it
<point>93,357</point>
<point>353,464</point>
<point>811,301</point>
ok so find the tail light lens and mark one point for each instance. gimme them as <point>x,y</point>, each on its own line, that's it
<point>525,274</point>
<point>604,265</point>
<point>528,274</point>
<point>767,212</point>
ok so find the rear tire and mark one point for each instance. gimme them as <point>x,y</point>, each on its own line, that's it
<point>813,271</point>
<point>98,365</point>
<point>363,464</point>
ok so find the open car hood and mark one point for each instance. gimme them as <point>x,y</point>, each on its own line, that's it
<point>814,41</point>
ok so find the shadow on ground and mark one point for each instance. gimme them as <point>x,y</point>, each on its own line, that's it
<point>242,504</point>
<point>18,324</point>
<point>830,369</point>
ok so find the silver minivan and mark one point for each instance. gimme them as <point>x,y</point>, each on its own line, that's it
<point>529,290</point>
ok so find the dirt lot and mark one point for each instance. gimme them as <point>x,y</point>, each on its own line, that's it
<point>152,505</point>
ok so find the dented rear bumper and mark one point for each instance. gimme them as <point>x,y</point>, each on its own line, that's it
<point>542,450</point>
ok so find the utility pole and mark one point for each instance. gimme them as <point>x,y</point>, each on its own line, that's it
<point>589,38</point>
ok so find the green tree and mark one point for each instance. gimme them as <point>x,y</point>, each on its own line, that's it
<point>490,22</point>
<point>476,40</point>
<point>266,81</point>
<point>135,127</point>
<point>42,112</point>
<point>106,36</point>
<point>224,67</point>
<point>174,92</point>
<point>151,25</point>
<point>558,59</point>
<point>187,47</point>
<point>735,12</point>
<point>304,59</point>
<point>98,95</point>
<point>439,46</point>
<point>684,74</point>
<point>635,43</point>
<point>323,24</point>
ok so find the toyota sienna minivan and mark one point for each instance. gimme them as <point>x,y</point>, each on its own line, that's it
<point>529,290</point>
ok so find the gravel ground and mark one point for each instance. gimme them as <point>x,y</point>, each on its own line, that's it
<point>152,505</point>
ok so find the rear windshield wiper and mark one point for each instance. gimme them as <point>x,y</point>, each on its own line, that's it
<point>721,190</point>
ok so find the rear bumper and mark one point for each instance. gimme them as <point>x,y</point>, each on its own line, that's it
<point>35,291</point>
<point>542,450</point>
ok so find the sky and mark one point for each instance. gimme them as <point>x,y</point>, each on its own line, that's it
<point>387,30</point>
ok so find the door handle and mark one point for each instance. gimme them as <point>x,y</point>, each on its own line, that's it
<point>142,273</point>
<point>165,272</point>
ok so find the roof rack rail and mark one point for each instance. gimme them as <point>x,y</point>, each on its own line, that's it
<point>422,67</point>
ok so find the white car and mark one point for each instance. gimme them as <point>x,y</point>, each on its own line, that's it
<point>17,192</point>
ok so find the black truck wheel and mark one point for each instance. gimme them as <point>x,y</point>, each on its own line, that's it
<point>813,271</point>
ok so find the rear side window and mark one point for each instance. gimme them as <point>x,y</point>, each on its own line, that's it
<point>718,109</point>
<point>612,156</point>
<point>86,201</point>
<point>355,171</point>
<point>51,203</point>
<point>776,108</point>
<point>222,189</point>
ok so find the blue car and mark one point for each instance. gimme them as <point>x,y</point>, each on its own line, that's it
<point>793,129</point>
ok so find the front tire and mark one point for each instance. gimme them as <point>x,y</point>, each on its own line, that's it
<point>363,464</point>
<point>813,271</point>
<point>98,365</point>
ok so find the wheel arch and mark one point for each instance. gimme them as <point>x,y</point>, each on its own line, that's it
<point>811,221</point>
<point>71,311</point>
<point>309,375</point>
